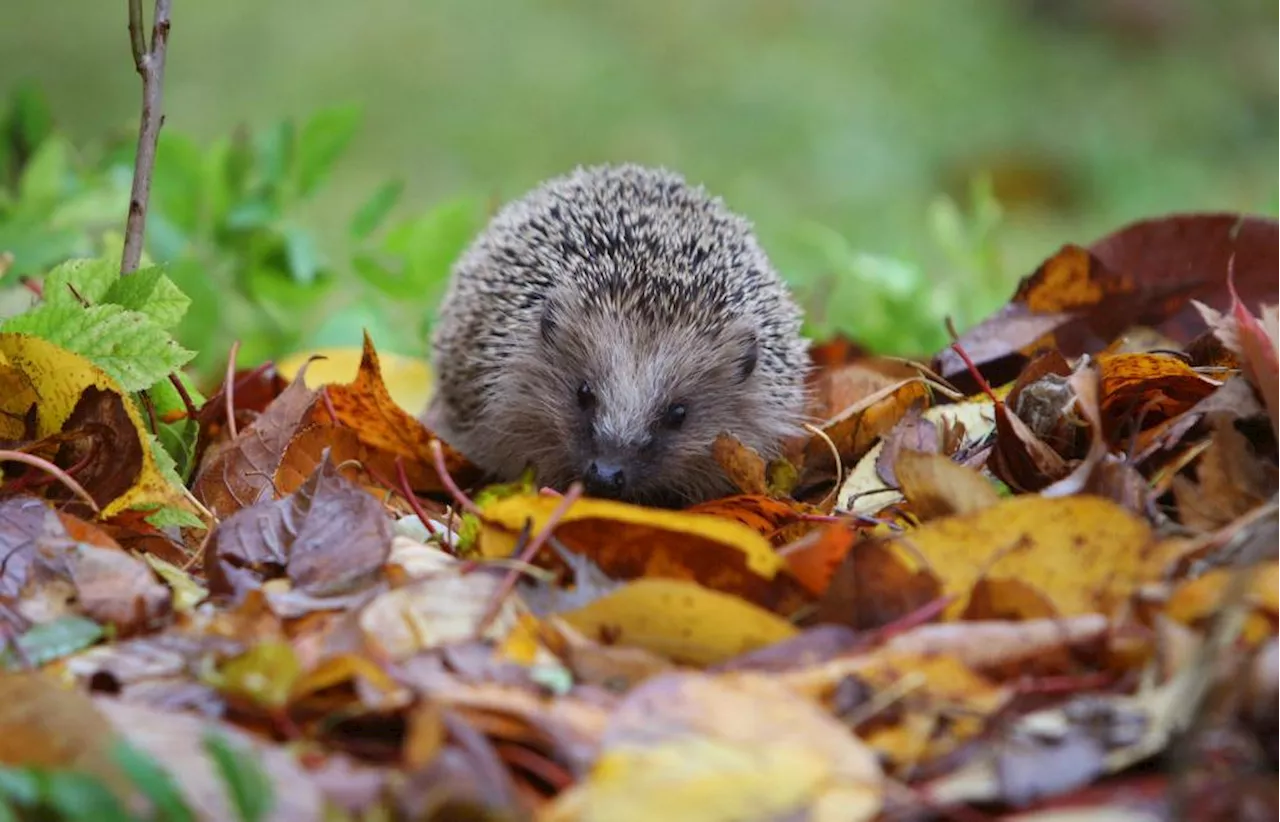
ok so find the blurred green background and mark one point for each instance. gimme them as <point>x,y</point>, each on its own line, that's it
<point>912,158</point>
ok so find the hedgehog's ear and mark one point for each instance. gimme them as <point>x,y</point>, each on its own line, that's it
<point>749,353</point>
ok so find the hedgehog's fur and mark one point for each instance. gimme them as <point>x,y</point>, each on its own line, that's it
<point>649,291</point>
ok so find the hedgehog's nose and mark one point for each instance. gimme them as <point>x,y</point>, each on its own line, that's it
<point>604,479</point>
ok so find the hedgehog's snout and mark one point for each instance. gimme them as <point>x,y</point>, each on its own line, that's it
<point>605,478</point>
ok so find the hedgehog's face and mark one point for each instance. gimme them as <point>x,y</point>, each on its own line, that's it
<point>640,410</point>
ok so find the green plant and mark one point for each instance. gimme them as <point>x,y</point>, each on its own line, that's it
<point>225,222</point>
<point>59,795</point>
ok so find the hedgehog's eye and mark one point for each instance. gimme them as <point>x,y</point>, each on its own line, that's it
<point>674,416</point>
<point>586,397</point>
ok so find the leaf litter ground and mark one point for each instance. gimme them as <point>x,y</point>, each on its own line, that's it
<point>1036,574</point>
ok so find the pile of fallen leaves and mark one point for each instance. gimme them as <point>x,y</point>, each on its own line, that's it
<point>1036,574</point>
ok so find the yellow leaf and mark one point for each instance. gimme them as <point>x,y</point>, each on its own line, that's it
<point>1197,600</point>
<point>1075,555</point>
<point>408,379</point>
<point>60,377</point>
<point>714,749</point>
<point>680,620</point>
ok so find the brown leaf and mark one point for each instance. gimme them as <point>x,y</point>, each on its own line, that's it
<point>1144,274</point>
<point>1231,480</point>
<point>912,433</point>
<point>103,446</point>
<point>328,537</point>
<point>47,573</point>
<point>873,587</point>
<point>239,473</point>
<point>46,725</point>
<point>855,429</point>
<point>366,407</point>
<point>744,467</point>
<point>937,487</point>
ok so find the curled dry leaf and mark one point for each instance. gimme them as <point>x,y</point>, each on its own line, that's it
<point>628,541</point>
<point>97,431</point>
<point>936,487</point>
<point>960,427</point>
<point>857,427</point>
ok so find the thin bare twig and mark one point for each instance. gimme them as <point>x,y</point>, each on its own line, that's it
<point>150,65</point>
<point>48,467</point>
<point>230,391</point>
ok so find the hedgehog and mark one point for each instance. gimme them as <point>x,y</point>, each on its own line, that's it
<point>606,328</point>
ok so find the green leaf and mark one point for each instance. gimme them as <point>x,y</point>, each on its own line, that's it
<point>165,398</point>
<point>19,786</point>
<point>167,516</point>
<point>148,291</point>
<point>274,151</point>
<point>164,462</point>
<point>428,246</point>
<point>321,141</point>
<point>155,783</point>
<point>45,174</point>
<point>52,640</point>
<point>247,783</point>
<point>178,440</point>
<point>178,181</point>
<point>81,797</point>
<point>370,215</point>
<point>80,280</point>
<point>303,256</point>
<point>30,117</point>
<point>128,345</point>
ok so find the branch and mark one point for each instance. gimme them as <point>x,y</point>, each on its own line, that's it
<point>150,65</point>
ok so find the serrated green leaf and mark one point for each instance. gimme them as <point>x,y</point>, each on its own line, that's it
<point>153,781</point>
<point>127,345</point>
<point>171,517</point>
<point>178,441</point>
<point>375,209</point>
<point>149,292</point>
<point>164,462</point>
<point>52,640</point>
<point>79,282</point>
<point>321,141</point>
<point>247,783</point>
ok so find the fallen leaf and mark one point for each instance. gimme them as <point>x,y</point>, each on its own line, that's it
<point>691,747</point>
<point>680,620</point>
<point>628,541</point>
<point>408,379</point>
<point>936,487</point>
<point>76,396</point>
<point>295,537</point>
